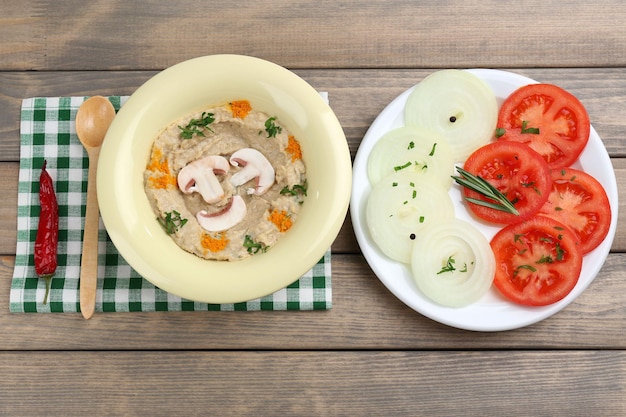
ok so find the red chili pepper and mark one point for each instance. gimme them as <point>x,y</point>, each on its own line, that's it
<point>48,232</point>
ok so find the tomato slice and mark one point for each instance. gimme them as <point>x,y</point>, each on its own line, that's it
<point>549,119</point>
<point>538,261</point>
<point>580,202</point>
<point>517,171</point>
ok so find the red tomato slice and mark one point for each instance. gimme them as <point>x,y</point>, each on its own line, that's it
<point>579,201</point>
<point>517,171</point>
<point>537,261</point>
<point>549,119</point>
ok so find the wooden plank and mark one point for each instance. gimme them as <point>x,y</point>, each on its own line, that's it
<point>356,96</point>
<point>372,383</point>
<point>313,33</point>
<point>365,315</point>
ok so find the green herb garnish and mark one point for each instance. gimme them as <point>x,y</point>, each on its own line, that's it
<point>297,190</point>
<point>432,151</point>
<point>172,222</point>
<point>449,266</point>
<point>500,132</point>
<point>528,267</point>
<point>399,167</point>
<point>271,128</point>
<point>252,246</point>
<point>197,126</point>
<point>545,259</point>
<point>484,188</point>
<point>531,130</point>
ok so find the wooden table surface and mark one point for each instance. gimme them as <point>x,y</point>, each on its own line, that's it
<point>369,354</point>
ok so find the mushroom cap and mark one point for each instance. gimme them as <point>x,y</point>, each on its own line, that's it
<point>255,165</point>
<point>230,216</point>
<point>199,176</point>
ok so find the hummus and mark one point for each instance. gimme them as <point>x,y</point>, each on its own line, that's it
<point>226,182</point>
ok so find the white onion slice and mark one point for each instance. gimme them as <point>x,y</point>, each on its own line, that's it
<point>472,268</point>
<point>457,104</point>
<point>399,206</point>
<point>426,152</point>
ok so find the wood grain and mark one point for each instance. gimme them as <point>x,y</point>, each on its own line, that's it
<point>356,95</point>
<point>313,34</point>
<point>371,383</point>
<point>365,315</point>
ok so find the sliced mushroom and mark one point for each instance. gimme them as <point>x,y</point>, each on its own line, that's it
<point>232,214</point>
<point>255,165</point>
<point>199,176</point>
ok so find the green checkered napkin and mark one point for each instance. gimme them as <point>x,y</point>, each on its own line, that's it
<point>47,132</point>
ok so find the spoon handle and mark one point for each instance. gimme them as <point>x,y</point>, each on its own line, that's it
<point>89,260</point>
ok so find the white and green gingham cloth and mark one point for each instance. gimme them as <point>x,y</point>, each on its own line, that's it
<point>47,133</point>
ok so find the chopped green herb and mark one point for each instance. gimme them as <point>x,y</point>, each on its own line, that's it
<point>531,130</point>
<point>298,190</point>
<point>448,267</point>
<point>545,259</point>
<point>399,167</point>
<point>432,151</point>
<point>197,126</point>
<point>271,128</point>
<point>559,253</point>
<point>172,222</point>
<point>411,145</point>
<point>421,219</point>
<point>394,184</point>
<point>254,247</point>
<point>558,208</point>
<point>500,132</point>
<point>528,267</point>
<point>414,193</point>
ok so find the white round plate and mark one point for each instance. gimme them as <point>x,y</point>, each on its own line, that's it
<point>190,86</point>
<point>493,312</point>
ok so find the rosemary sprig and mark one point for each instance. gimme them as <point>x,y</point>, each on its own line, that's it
<point>481,186</point>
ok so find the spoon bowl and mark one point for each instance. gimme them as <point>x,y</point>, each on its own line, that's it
<point>92,122</point>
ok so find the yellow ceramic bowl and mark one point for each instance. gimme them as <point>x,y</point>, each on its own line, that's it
<point>176,92</point>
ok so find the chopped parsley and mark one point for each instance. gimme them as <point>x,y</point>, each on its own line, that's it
<point>298,190</point>
<point>197,126</point>
<point>399,167</point>
<point>254,247</point>
<point>172,222</point>
<point>531,130</point>
<point>272,128</point>
<point>449,266</point>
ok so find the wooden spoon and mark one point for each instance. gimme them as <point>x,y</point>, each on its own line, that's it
<point>92,122</point>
